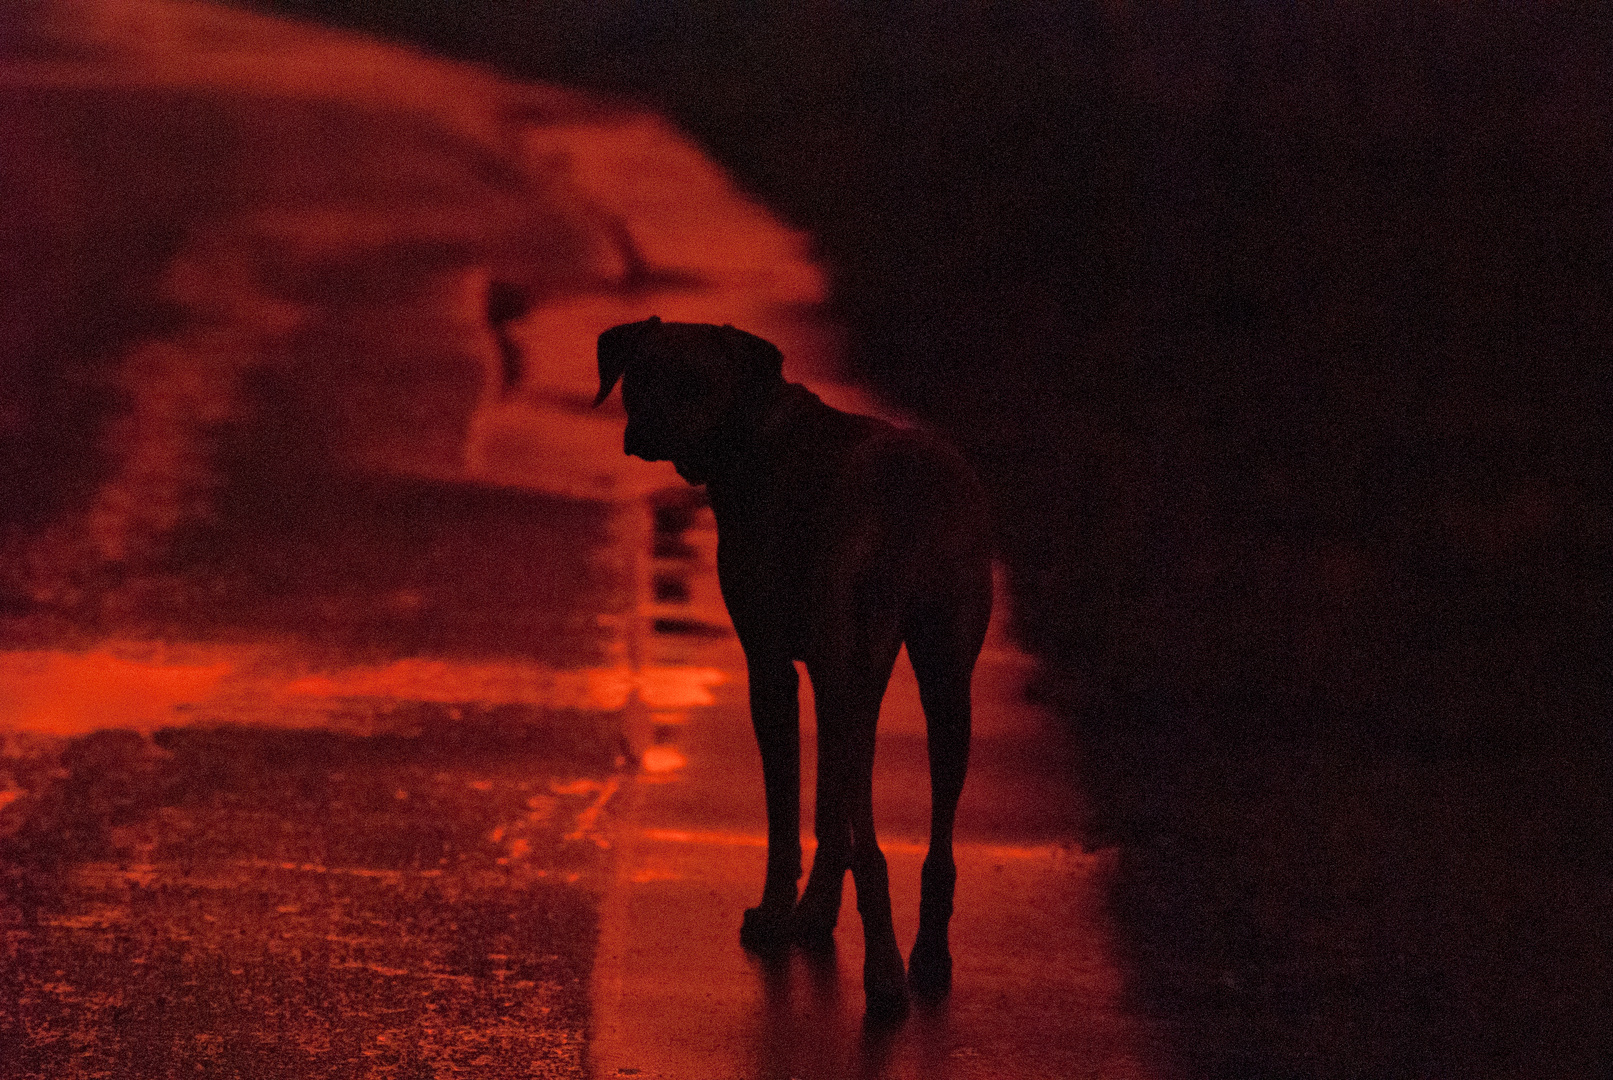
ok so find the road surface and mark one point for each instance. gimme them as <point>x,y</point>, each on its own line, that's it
<point>432,837</point>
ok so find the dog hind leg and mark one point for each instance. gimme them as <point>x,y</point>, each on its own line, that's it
<point>943,647</point>
<point>819,907</point>
<point>884,976</point>
<point>848,713</point>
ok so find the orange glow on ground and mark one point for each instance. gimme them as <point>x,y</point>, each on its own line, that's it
<point>63,693</point>
<point>1063,854</point>
<point>662,759</point>
<point>141,687</point>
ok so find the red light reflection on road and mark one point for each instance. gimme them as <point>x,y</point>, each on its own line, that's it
<point>143,687</point>
<point>349,252</point>
<point>63,693</point>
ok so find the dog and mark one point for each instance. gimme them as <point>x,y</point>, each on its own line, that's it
<point>839,538</point>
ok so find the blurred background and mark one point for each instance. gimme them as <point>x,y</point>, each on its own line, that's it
<point>1277,328</point>
<point>1279,333</point>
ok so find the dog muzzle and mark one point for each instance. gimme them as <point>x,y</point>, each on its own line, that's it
<point>646,445</point>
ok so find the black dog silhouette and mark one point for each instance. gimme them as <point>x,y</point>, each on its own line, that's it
<point>839,537</point>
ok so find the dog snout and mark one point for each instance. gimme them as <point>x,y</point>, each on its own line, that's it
<point>643,444</point>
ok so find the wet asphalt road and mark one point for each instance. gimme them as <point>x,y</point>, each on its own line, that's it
<point>379,772</point>
<point>297,906</point>
<point>325,851</point>
<point>317,847</point>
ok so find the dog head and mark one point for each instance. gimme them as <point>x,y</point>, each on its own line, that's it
<point>681,384</point>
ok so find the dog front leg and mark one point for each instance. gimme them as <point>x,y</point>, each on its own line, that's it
<point>776,716</point>
<point>819,908</point>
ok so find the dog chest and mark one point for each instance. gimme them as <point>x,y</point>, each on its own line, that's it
<point>769,561</point>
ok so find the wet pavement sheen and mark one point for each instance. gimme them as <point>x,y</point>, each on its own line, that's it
<point>269,859</point>
<point>370,719</point>
<point>296,905</point>
<point>258,859</point>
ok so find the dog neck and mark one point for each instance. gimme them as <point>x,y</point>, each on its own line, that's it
<point>759,410</point>
<point>754,405</point>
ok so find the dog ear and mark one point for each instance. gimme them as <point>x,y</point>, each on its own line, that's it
<point>758,356</point>
<point>616,347</point>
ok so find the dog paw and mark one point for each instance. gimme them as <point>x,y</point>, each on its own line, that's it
<point>765,930</point>
<point>812,924</point>
<point>929,972</point>
<point>815,935</point>
<point>886,989</point>
<point>887,1008</point>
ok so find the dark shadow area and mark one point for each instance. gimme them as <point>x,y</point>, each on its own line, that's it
<point>367,568</point>
<point>361,566</point>
<point>397,566</point>
<point>1300,911</point>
